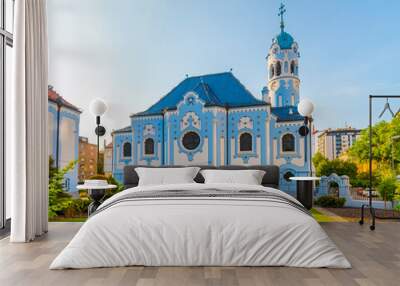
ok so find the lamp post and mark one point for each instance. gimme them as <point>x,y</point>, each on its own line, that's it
<point>306,108</point>
<point>98,107</point>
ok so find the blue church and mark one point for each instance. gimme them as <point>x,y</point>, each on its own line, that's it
<point>214,120</point>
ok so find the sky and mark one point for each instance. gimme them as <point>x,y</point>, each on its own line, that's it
<point>130,53</point>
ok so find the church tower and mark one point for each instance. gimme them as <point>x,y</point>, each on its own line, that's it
<point>283,71</point>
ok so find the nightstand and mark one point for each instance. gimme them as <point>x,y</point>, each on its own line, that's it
<point>305,190</point>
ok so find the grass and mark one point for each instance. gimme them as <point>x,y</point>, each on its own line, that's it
<point>68,219</point>
<point>320,217</point>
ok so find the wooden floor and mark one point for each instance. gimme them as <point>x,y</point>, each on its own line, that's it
<point>375,257</point>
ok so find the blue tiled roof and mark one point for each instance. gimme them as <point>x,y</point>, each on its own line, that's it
<point>285,40</point>
<point>123,130</point>
<point>222,89</point>
<point>287,113</point>
<point>207,94</point>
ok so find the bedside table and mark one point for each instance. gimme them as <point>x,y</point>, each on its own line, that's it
<point>304,190</point>
<point>96,191</point>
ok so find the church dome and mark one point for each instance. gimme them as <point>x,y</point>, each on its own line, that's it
<point>284,40</point>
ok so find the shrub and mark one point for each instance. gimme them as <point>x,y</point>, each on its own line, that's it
<point>59,200</point>
<point>80,206</point>
<point>330,202</point>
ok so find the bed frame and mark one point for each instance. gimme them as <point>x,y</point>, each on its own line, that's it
<point>270,179</point>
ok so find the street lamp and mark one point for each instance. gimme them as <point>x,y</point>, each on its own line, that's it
<point>306,108</point>
<point>98,107</point>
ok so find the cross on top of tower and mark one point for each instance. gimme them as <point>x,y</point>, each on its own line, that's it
<point>282,11</point>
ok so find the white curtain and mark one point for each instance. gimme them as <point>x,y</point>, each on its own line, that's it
<point>28,156</point>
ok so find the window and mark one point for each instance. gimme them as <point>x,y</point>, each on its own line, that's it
<point>245,142</point>
<point>278,68</point>
<point>149,146</point>
<point>288,143</point>
<point>292,67</point>
<point>127,149</point>
<point>67,184</point>
<point>6,44</point>
<point>191,140</point>
<point>271,71</point>
<point>286,67</point>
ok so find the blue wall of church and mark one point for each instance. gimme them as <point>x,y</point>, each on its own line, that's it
<point>119,160</point>
<point>211,123</point>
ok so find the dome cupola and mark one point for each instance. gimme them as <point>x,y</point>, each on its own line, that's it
<point>284,40</point>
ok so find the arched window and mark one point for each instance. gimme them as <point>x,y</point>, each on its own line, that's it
<point>278,68</point>
<point>149,146</point>
<point>288,143</point>
<point>292,67</point>
<point>127,149</point>
<point>245,142</point>
<point>286,67</point>
<point>271,71</point>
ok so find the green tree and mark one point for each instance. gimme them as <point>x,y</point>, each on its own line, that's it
<point>387,188</point>
<point>318,159</point>
<point>340,167</point>
<point>384,147</point>
<point>59,200</point>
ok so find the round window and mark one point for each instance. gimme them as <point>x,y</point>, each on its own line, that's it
<point>191,140</point>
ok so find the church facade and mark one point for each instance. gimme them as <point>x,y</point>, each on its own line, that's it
<point>214,120</point>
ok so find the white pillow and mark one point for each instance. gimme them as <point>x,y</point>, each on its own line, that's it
<point>248,177</point>
<point>166,176</point>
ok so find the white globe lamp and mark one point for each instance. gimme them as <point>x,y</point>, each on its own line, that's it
<point>305,107</point>
<point>98,107</point>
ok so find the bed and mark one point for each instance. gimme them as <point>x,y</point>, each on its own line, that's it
<point>197,224</point>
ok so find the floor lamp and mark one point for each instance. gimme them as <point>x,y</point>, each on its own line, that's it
<point>306,108</point>
<point>98,107</point>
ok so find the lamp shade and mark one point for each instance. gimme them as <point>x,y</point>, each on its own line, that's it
<point>98,107</point>
<point>305,107</point>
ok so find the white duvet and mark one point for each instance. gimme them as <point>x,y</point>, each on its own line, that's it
<point>200,231</point>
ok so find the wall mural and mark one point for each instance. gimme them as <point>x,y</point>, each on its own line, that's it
<point>214,120</point>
